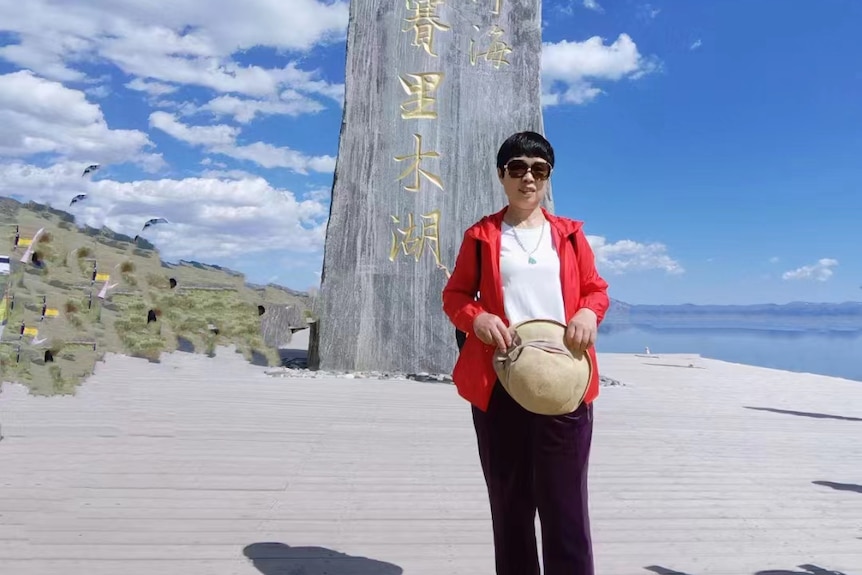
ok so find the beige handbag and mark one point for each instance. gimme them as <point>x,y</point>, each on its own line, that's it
<point>540,372</point>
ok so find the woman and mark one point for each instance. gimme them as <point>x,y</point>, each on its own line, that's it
<point>529,264</point>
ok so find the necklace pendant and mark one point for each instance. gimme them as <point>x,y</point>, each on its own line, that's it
<point>532,260</point>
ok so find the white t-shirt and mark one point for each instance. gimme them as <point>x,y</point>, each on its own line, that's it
<point>531,291</point>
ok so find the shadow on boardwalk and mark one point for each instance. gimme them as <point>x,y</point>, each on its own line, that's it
<point>805,413</point>
<point>279,559</point>
<point>808,570</point>
<point>840,486</point>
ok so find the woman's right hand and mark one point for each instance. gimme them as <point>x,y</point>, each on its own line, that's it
<point>492,331</point>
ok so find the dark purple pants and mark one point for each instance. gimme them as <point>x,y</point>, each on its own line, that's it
<point>536,463</point>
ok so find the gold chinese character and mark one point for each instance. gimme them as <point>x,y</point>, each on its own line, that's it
<point>415,167</point>
<point>422,85</point>
<point>496,52</point>
<point>424,21</point>
<point>414,239</point>
<point>498,7</point>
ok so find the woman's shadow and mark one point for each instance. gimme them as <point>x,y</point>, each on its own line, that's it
<point>280,559</point>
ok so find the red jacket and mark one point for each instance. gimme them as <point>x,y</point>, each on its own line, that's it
<point>474,374</point>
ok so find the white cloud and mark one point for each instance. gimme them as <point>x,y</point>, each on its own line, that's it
<point>628,256</point>
<point>101,92</point>
<point>42,116</point>
<point>648,12</point>
<point>821,271</point>
<point>228,174</point>
<point>192,42</point>
<point>322,195</point>
<point>570,68</point>
<point>221,139</point>
<point>209,136</point>
<point>244,110</point>
<point>774,260</point>
<point>151,88</point>
<point>568,7</point>
<point>211,218</point>
<point>270,156</point>
<point>696,44</point>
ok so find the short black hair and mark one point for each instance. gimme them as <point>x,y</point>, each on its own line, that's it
<point>530,144</point>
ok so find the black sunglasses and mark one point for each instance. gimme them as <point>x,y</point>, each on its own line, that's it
<point>519,168</point>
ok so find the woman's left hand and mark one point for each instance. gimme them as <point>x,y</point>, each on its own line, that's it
<point>581,331</point>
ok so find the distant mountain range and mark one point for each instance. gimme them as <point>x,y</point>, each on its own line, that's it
<point>794,316</point>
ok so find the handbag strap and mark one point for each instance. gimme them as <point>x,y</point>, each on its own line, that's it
<point>512,354</point>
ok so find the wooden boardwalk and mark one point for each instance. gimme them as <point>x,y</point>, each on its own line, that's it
<point>201,466</point>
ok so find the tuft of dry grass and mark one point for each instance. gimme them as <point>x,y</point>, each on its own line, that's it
<point>56,377</point>
<point>127,267</point>
<point>47,252</point>
<point>133,330</point>
<point>158,281</point>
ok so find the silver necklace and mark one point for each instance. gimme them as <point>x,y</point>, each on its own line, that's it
<point>530,257</point>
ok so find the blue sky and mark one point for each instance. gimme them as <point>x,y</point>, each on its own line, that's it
<point>714,149</point>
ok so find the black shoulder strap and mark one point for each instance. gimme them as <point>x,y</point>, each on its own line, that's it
<point>460,336</point>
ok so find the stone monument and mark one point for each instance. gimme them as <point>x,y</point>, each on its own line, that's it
<point>433,88</point>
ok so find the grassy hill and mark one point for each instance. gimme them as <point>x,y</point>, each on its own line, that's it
<point>153,307</point>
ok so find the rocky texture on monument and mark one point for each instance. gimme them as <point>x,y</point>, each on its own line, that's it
<point>279,323</point>
<point>432,90</point>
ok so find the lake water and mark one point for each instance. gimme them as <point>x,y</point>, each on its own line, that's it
<point>827,354</point>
